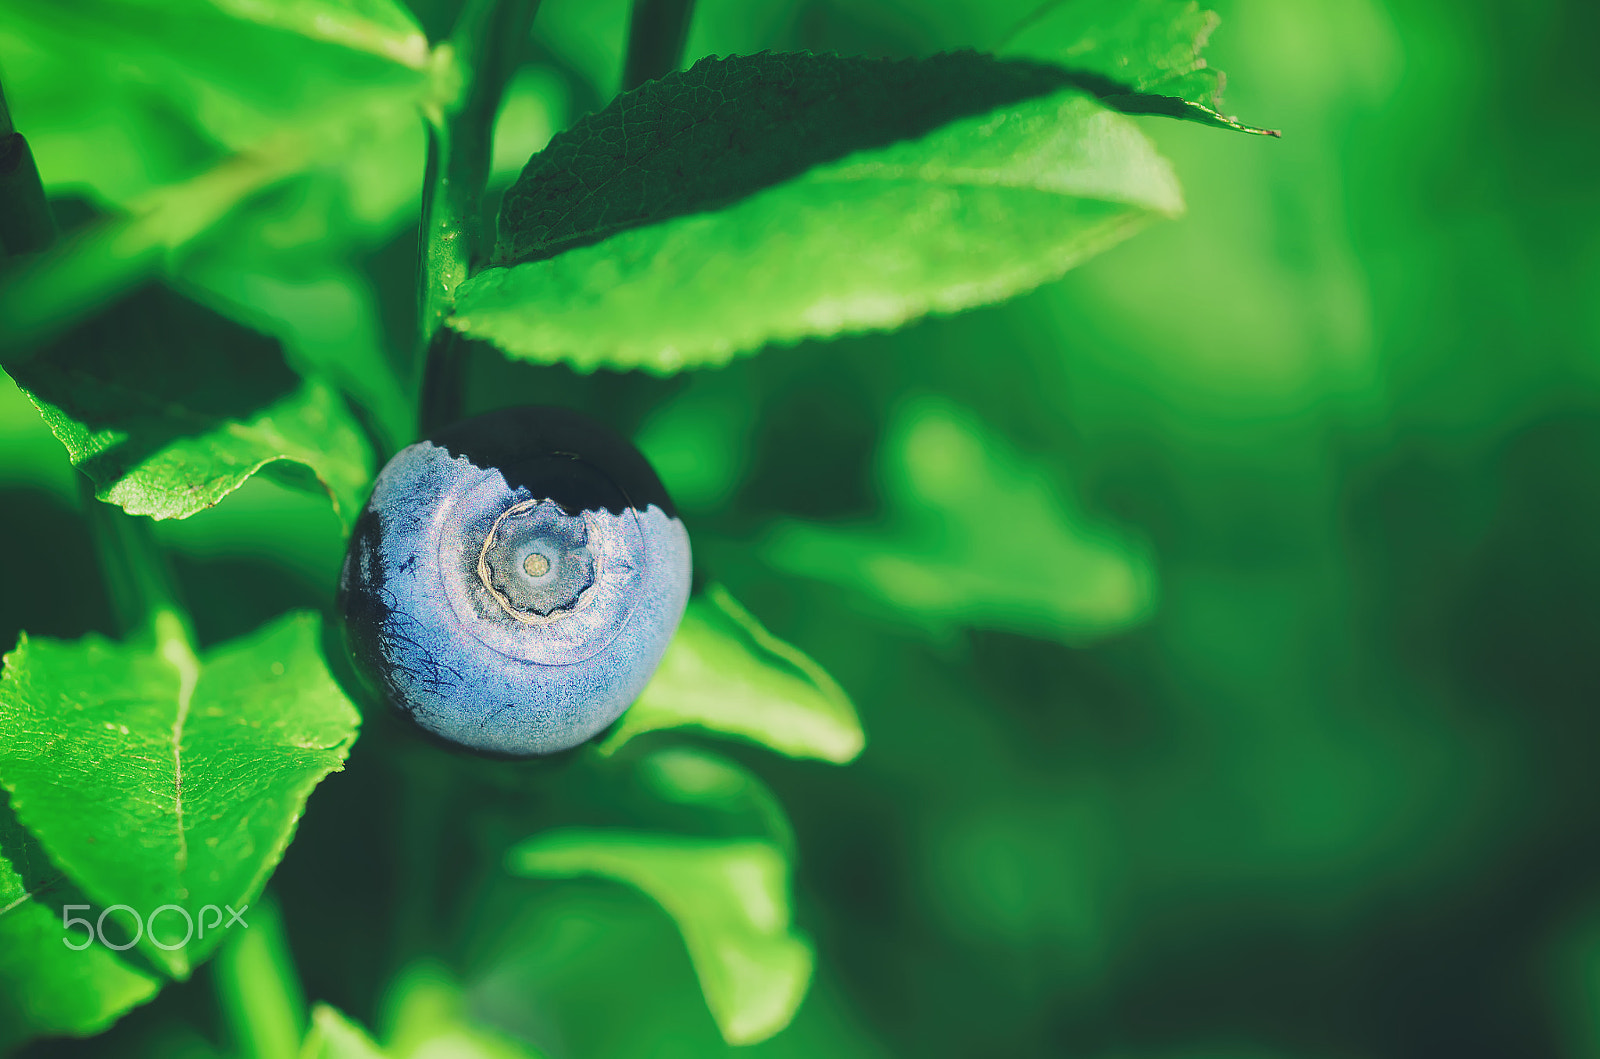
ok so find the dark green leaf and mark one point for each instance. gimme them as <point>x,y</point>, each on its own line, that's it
<point>976,210</point>
<point>152,777</point>
<point>1144,48</point>
<point>727,674</point>
<point>47,988</point>
<point>729,898</point>
<point>168,407</point>
<point>725,129</point>
<point>953,491</point>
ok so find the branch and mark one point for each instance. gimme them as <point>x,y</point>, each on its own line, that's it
<point>656,36</point>
<point>488,41</point>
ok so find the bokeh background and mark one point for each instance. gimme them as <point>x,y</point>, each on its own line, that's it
<point>1306,771</point>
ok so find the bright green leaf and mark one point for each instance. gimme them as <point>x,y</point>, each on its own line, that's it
<point>1148,47</point>
<point>975,534</point>
<point>152,777</point>
<point>333,1035</point>
<point>168,407</point>
<point>730,900</point>
<point>727,674</point>
<point>980,210</point>
<point>46,988</point>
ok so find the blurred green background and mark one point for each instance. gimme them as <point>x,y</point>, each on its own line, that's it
<point>1304,771</point>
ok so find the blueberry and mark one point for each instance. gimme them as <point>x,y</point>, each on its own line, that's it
<point>514,580</point>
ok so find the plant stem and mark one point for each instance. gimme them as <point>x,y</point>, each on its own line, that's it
<point>488,40</point>
<point>656,36</point>
<point>25,221</point>
<point>258,990</point>
<point>144,597</point>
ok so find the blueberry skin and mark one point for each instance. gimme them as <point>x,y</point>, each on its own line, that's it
<point>514,580</point>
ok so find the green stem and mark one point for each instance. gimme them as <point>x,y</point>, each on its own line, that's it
<point>489,39</point>
<point>656,37</point>
<point>25,221</point>
<point>144,596</point>
<point>262,1002</point>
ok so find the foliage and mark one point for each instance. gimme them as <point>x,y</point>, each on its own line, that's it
<point>1226,670</point>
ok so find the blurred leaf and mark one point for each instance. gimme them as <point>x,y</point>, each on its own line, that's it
<point>382,27</point>
<point>46,988</point>
<point>427,1019</point>
<point>257,988</point>
<point>692,776</point>
<point>152,777</point>
<point>832,252</point>
<point>974,535</point>
<point>725,673</point>
<point>335,1036</point>
<point>730,899</point>
<point>168,407</point>
<point>1149,47</point>
<point>175,114</point>
<point>698,439</point>
<point>235,80</point>
<point>329,321</point>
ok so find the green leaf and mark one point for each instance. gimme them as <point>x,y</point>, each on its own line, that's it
<point>725,673</point>
<point>975,534</point>
<point>1143,48</point>
<point>694,777</point>
<point>224,76</point>
<point>381,27</point>
<point>703,138</point>
<point>730,900</point>
<point>168,407</point>
<point>175,114</point>
<point>152,777</point>
<point>46,988</point>
<point>329,321</point>
<point>333,1035</point>
<point>977,211</point>
<point>426,1013</point>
